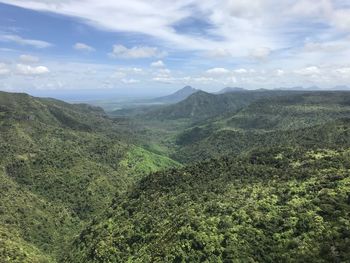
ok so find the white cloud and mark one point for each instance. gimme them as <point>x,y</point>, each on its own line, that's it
<point>198,80</point>
<point>341,19</point>
<point>119,75</point>
<point>297,32</point>
<point>308,71</point>
<point>238,25</point>
<point>279,72</point>
<point>308,8</point>
<point>261,53</point>
<point>133,70</point>
<point>218,71</point>
<point>123,75</point>
<point>219,53</point>
<point>158,64</point>
<point>130,81</point>
<point>245,9</point>
<point>237,28</point>
<point>136,70</point>
<point>331,12</point>
<point>4,70</point>
<point>164,79</point>
<point>163,75</point>
<point>201,80</point>
<point>29,70</point>
<point>25,42</point>
<point>241,71</point>
<point>28,59</point>
<point>164,71</point>
<point>335,46</point>
<point>343,71</point>
<point>231,80</point>
<point>83,47</point>
<point>120,51</point>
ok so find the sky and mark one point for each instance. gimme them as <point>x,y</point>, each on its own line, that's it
<point>157,46</point>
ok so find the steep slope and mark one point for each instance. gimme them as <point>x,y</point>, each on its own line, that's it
<point>176,96</point>
<point>202,105</point>
<point>61,161</point>
<point>276,205</point>
<point>292,111</point>
<point>197,144</point>
<point>275,120</point>
<point>278,190</point>
<point>29,222</point>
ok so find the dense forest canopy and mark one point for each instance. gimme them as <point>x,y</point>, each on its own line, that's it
<point>253,176</point>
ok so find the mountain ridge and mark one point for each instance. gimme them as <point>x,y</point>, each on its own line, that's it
<point>202,105</point>
<point>230,89</point>
<point>177,96</point>
<point>257,175</point>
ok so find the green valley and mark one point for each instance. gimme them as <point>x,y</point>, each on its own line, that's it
<point>253,176</point>
<point>174,131</point>
<point>61,165</point>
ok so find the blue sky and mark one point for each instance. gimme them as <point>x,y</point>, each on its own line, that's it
<point>157,46</point>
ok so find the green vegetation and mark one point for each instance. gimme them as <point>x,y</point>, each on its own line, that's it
<point>305,119</point>
<point>204,144</point>
<point>255,176</point>
<point>202,105</point>
<point>261,208</point>
<point>140,162</point>
<point>13,249</point>
<point>61,165</point>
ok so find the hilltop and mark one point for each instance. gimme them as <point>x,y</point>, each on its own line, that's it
<point>202,105</point>
<point>177,96</point>
<point>230,89</point>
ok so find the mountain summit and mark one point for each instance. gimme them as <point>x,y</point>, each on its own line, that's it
<point>177,96</point>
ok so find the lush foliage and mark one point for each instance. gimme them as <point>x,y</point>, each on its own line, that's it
<point>272,206</point>
<point>61,165</point>
<point>307,120</point>
<point>202,105</point>
<point>266,180</point>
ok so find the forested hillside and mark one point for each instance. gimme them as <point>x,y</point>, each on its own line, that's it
<point>61,164</point>
<point>305,119</point>
<point>257,176</point>
<point>184,131</point>
<point>276,205</point>
<point>202,105</point>
<point>277,191</point>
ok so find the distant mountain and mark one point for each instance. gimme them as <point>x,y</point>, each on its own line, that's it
<point>301,88</point>
<point>202,105</point>
<point>312,88</point>
<point>230,89</point>
<point>270,121</point>
<point>177,96</point>
<point>341,87</point>
<point>315,88</point>
<point>289,88</point>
